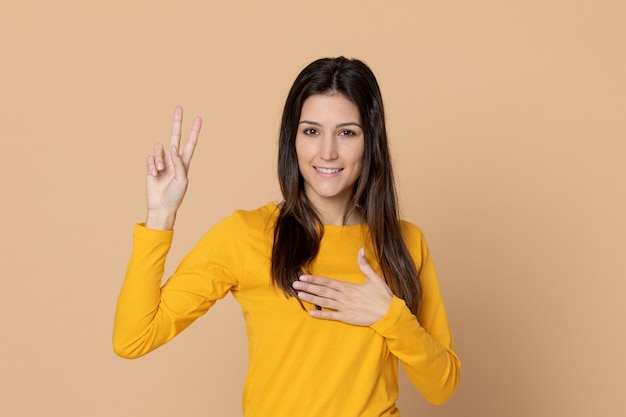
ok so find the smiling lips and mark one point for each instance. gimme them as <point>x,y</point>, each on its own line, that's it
<point>328,170</point>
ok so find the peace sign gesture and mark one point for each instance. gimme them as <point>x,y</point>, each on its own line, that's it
<point>167,174</point>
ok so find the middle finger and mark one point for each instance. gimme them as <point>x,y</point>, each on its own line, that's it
<point>176,127</point>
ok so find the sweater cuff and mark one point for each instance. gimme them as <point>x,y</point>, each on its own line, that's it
<point>141,232</point>
<point>396,318</point>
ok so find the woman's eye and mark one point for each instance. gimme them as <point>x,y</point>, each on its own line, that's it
<point>347,133</point>
<point>310,132</point>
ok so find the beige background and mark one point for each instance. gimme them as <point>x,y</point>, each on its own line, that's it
<point>508,129</point>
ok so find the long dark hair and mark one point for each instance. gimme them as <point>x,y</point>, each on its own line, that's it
<point>298,228</point>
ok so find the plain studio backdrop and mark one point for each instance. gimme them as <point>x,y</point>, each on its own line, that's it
<point>507,126</point>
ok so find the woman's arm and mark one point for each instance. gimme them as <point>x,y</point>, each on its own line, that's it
<point>140,325</point>
<point>140,298</point>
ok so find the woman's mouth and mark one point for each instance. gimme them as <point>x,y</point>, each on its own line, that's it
<point>328,170</point>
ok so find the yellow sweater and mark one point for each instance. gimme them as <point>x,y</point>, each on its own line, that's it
<point>299,365</point>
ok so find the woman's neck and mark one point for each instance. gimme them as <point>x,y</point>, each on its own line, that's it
<point>335,214</point>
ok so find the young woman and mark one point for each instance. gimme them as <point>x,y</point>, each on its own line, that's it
<point>334,288</point>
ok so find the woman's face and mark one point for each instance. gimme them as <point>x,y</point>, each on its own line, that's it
<point>330,145</point>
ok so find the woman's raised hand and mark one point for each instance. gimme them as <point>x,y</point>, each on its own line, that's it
<point>167,174</point>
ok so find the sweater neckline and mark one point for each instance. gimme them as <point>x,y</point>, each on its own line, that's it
<point>331,227</point>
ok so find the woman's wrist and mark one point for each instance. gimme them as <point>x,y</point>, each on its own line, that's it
<point>160,220</point>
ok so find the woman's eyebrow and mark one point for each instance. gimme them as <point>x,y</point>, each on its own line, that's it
<point>344,124</point>
<point>349,124</point>
<point>310,122</point>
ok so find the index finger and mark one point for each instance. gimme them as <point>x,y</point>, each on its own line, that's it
<point>311,281</point>
<point>176,127</point>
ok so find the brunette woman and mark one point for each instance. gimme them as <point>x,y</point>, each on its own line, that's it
<point>335,289</point>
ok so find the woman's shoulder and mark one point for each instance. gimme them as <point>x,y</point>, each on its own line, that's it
<point>413,237</point>
<point>261,218</point>
<point>410,230</point>
<point>260,215</point>
<point>241,224</point>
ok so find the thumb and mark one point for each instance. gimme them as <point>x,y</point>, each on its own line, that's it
<point>366,268</point>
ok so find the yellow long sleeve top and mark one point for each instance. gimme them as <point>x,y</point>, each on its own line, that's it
<point>299,365</point>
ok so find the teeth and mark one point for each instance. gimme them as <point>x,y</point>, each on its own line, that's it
<point>328,170</point>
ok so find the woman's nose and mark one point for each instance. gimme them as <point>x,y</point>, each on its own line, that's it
<point>329,149</point>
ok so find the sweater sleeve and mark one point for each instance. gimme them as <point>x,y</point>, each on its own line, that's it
<point>423,343</point>
<point>148,315</point>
